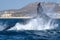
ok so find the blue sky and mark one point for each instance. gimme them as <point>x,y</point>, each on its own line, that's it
<point>16,4</point>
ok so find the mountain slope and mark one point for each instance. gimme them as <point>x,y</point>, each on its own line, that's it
<point>30,10</point>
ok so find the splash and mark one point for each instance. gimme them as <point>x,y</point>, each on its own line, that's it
<point>41,22</point>
<point>35,24</point>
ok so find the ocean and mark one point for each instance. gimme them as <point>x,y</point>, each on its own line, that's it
<point>50,34</point>
<point>30,35</point>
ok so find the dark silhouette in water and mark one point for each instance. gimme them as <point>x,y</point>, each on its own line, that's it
<point>39,9</point>
<point>40,12</point>
<point>11,22</point>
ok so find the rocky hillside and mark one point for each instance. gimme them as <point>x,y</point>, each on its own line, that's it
<point>30,10</point>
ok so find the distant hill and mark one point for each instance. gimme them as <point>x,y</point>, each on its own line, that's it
<point>30,10</point>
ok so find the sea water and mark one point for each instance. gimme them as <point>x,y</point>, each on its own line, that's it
<point>36,34</point>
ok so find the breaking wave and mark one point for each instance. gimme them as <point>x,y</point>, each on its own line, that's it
<point>35,24</point>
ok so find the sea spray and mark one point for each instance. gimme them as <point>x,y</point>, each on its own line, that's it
<point>41,22</point>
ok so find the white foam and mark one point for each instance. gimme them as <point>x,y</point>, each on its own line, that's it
<point>34,24</point>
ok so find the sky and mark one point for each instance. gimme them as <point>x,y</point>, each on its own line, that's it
<point>17,4</point>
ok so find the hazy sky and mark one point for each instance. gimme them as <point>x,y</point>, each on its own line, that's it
<point>16,4</point>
